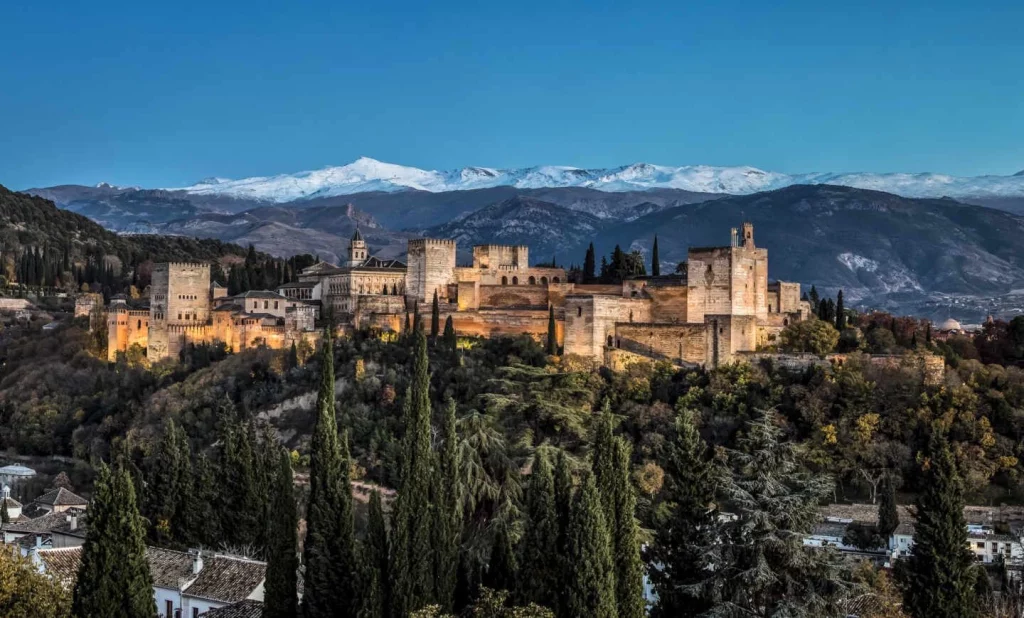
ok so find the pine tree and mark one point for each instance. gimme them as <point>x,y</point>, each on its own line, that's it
<point>590,265</point>
<point>760,566</point>
<point>689,490</point>
<point>552,343</point>
<point>590,587</point>
<point>655,261</point>
<point>281,588</point>
<point>435,318</point>
<point>888,514</point>
<point>625,535</point>
<point>813,298</point>
<point>114,578</point>
<point>840,312</point>
<point>940,574</point>
<point>377,560</point>
<point>412,574</point>
<point>539,552</point>
<point>330,544</point>
<point>447,509</point>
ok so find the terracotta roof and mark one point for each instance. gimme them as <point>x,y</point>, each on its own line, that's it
<point>168,568</point>
<point>242,609</point>
<point>62,563</point>
<point>46,523</point>
<point>227,579</point>
<point>61,497</point>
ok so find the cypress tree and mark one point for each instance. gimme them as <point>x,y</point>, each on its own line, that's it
<point>655,261</point>
<point>293,357</point>
<point>563,511</point>
<point>540,577</point>
<point>5,516</point>
<point>813,298</point>
<point>689,491</point>
<point>552,344</point>
<point>205,516</point>
<point>281,595</point>
<point>435,318</point>
<point>502,568</point>
<point>590,587</point>
<point>840,312</point>
<point>417,320</point>
<point>413,584</point>
<point>603,461</point>
<point>590,265</point>
<point>377,591</point>
<point>940,574</point>
<point>625,535</point>
<point>113,577</point>
<point>239,487</point>
<point>888,514</point>
<point>447,509</point>
<point>449,337</point>
<point>329,549</point>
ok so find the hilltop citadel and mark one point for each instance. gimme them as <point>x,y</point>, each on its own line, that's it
<point>720,306</point>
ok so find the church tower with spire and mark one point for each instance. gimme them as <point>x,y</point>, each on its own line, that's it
<point>356,250</point>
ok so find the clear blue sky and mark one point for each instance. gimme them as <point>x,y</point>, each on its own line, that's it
<point>134,93</point>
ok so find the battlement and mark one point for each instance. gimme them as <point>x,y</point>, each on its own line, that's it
<point>199,265</point>
<point>431,242</point>
<point>189,329</point>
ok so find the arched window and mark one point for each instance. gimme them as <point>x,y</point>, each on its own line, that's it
<point>611,341</point>
<point>543,280</point>
<point>532,281</point>
<point>139,325</point>
<point>785,322</point>
<point>555,280</point>
<point>515,280</point>
<point>579,311</point>
<point>504,281</point>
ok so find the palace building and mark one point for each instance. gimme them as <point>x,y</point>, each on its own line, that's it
<point>722,306</point>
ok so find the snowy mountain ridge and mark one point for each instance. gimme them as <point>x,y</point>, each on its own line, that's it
<point>367,174</point>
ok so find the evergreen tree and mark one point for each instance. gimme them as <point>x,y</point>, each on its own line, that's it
<point>813,298</point>
<point>590,265</point>
<point>412,573</point>
<point>760,566</point>
<point>330,545</point>
<point>293,357</point>
<point>625,535</point>
<point>240,495</point>
<point>603,461</point>
<point>540,576</point>
<point>840,313</point>
<point>113,577</point>
<point>5,516</point>
<point>888,514</point>
<point>690,525</point>
<point>590,587</point>
<point>377,560</point>
<point>447,509</point>
<point>940,574</point>
<point>449,337</point>
<point>206,517</point>
<point>502,567</point>
<point>281,588</point>
<point>563,511</point>
<point>655,261</point>
<point>552,342</point>
<point>435,318</point>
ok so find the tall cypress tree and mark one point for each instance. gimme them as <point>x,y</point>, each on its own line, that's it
<point>840,313</point>
<point>449,337</point>
<point>690,525</point>
<point>940,574</point>
<point>590,265</point>
<point>590,587</point>
<point>435,318</point>
<point>329,549</point>
<point>888,513</point>
<point>540,576</point>
<point>655,261</point>
<point>603,461</point>
<point>625,535</point>
<point>281,596</point>
<point>377,561</point>
<point>502,567</point>
<point>113,578</point>
<point>447,510</point>
<point>412,574</point>
<point>552,343</point>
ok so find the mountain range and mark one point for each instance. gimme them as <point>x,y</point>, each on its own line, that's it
<point>928,244</point>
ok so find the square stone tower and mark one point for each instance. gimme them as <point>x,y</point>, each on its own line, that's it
<point>431,266</point>
<point>730,280</point>
<point>179,296</point>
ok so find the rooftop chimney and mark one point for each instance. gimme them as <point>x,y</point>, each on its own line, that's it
<point>73,521</point>
<point>197,561</point>
<point>5,492</point>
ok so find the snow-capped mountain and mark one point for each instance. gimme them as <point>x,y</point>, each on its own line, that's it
<point>367,174</point>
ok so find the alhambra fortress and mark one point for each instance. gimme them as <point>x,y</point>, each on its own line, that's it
<point>722,306</point>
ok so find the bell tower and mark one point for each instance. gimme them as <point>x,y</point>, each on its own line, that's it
<point>357,249</point>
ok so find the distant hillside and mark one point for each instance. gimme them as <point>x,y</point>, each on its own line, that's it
<point>30,221</point>
<point>548,230</point>
<point>868,242</point>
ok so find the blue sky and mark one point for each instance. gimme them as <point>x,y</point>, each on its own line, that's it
<point>135,93</point>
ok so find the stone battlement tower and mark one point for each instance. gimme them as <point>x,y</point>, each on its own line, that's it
<point>179,296</point>
<point>431,267</point>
